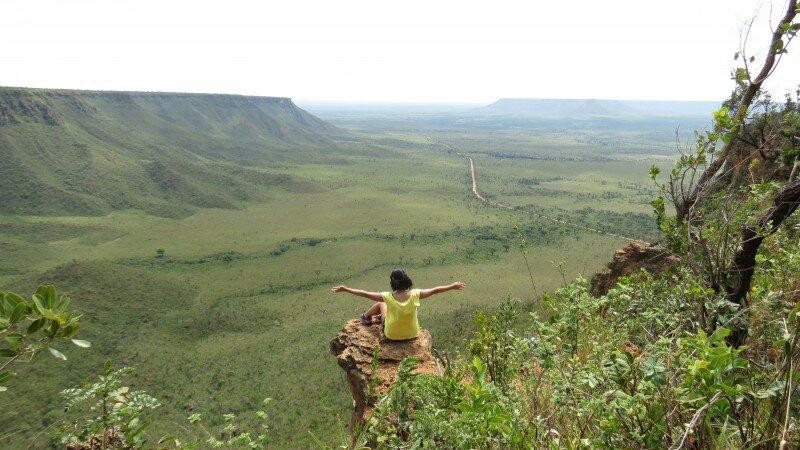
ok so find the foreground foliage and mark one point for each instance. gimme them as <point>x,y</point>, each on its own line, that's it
<point>106,414</point>
<point>30,326</point>
<point>112,413</point>
<point>634,368</point>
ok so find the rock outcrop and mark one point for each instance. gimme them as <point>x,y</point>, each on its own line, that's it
<point>355,347</point>
<point>629,259</point>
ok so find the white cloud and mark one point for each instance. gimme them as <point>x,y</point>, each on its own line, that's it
<point>371,50</point>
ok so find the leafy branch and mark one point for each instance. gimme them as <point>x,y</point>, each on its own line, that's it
<point>30,326</point>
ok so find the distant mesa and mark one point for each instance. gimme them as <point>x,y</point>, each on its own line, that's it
<point>583,108</point>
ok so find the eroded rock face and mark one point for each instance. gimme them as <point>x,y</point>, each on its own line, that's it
<point>629,259</point>
<point>354,347</point>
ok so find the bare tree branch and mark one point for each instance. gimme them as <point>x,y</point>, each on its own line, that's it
<point>690,426</point>
<point>785,203</point>
<point>770,62</point>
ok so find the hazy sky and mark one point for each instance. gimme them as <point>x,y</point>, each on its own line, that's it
<point>377,50</point>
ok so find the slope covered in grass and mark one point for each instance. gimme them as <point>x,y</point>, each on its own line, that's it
<point>87,153</point>
<point>238,307</point>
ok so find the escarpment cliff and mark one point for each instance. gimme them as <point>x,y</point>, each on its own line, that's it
<point>629,259</point>
<point>68,152</point>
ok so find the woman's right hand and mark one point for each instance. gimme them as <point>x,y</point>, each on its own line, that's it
<point>340,288</point>
<point>458,285</point>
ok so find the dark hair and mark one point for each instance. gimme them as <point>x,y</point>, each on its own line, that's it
<point>399,280</point>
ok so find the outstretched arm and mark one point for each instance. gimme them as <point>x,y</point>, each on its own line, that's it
<point>425,293</point>
<point>376,296</point>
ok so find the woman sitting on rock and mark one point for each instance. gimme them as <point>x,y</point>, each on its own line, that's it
<point>397,310</point>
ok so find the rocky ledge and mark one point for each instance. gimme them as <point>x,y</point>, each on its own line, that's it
<point>355,347</point>
<point>629,259</point>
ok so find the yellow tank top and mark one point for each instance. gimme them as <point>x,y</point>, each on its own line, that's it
<point>401,317</point>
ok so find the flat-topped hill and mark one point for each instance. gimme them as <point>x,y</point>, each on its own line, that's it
<point>580,108</point>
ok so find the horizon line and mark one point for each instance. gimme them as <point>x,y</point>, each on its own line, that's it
<point>355,101</point>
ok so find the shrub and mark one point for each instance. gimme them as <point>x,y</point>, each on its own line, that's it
<point>111,414</point>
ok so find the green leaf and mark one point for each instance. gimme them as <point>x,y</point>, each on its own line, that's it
<point>62,304</point>
<point>778,45</point>
<point>9,303</point>
<point>18,313</point>
<point>15,340</point>
<point>47,293</point>
<point>654,171</point>
<point>14,298</point>
<point>81,343</point>
<point>50,296</point>
<point>72,320</point>
<point>688,399</point>
<point>770,391</point>
<point>720,333</point>
<point>37,304</point>
<point>51,315</point>
<point>69,330</point>
<point>57,354</point>
<point>8,353</point>
<point>51,332</point>
<point>5,375</point>
<point>727,137</point>
<point>722,118</point>
<point>36,325</point>
<point>742,75</point>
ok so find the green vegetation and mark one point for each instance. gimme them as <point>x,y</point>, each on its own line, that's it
<point>218,308</point>
<point>31,326</point>
<point>106,414</point>
<point>676,361</point>
<point>224,307</point>
<point>119,413</point>
<point>619,371</point>
<point>88,153</point>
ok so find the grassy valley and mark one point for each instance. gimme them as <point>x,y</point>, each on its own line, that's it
<point>259,207</point>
